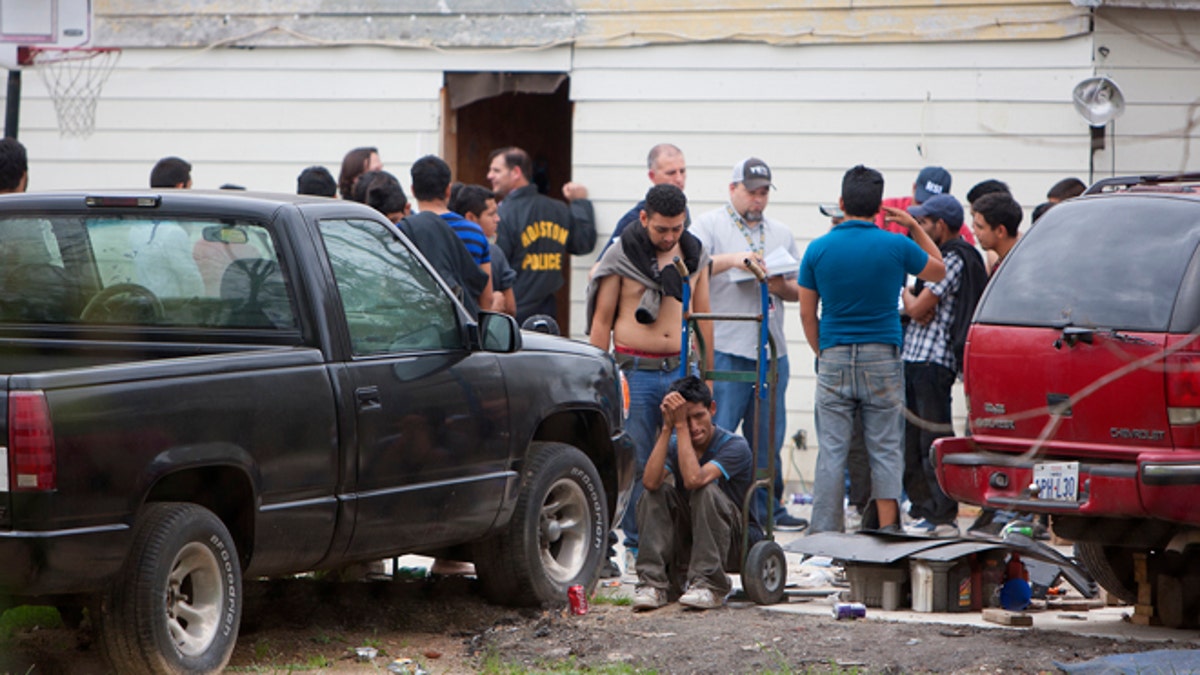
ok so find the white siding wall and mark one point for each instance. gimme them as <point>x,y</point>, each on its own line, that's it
<point>1155,59</point>
<point>982,110</point>
<point>254,117</point>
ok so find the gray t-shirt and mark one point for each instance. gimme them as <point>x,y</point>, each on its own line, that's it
<point>721,234</point>
<point>503,274</point>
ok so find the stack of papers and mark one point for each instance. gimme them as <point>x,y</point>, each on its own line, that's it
<point>778,262</point>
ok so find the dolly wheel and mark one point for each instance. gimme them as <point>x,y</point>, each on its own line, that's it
<point>764,575</point>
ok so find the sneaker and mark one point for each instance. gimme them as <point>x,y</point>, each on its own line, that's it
<point>925,528</point>
<point>631,561</point>
<point>790,523</point>
<point>701,598</point>
<point>609,570</point>
<point>647,597</point>
<point>922,527</point>
<point>853,521</point>
<point>894,528</point>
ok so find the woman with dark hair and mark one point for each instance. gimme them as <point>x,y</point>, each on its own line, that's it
<point>357,162</point>
<point>381,191</point>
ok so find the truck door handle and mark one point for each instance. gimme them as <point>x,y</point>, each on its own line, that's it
<point>368,398</point>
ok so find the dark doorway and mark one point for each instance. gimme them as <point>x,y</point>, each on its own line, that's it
<point>538,122</point>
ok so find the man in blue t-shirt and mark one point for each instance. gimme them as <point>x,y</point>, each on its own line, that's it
<point>856,273</point>
<point>689,515</point>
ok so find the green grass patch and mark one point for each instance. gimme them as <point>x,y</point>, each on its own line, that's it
<point>28,617</point>
<point>606,599</point>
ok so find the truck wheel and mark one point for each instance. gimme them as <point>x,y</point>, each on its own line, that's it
<point>556,537</point>
<point>1111,567</point>
<point>176,605</point>
<point>764,575</point>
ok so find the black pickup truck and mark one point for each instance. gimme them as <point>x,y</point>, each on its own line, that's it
<point>201,387</point>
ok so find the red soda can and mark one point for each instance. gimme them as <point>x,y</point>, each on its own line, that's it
<point>578,599</point>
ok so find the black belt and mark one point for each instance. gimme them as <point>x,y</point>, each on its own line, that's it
<point>631,362</point>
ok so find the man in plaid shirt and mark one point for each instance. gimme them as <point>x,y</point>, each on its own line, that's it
<point>931,363</point>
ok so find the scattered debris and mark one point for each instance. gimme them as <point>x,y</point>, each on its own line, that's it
<point>1005,617</point>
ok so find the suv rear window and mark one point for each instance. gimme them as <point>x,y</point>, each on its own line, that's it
<point>1105,262</point>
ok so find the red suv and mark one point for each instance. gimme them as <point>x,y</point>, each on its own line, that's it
<point>1082,374</point>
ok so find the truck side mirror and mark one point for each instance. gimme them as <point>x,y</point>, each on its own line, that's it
<point>500,332</point>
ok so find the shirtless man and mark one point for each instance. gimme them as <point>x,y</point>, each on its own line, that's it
<point>635,308</point>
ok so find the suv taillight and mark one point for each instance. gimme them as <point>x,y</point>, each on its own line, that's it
<point>1183,388</point>
<point>31,456</point>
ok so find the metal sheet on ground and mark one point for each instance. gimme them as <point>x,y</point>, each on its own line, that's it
<point>955,549</point>
<point>862,547</point>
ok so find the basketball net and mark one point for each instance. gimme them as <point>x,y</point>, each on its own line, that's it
<point>74,77</point>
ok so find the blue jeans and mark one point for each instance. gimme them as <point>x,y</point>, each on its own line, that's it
<point>735,406</point>
<point>646,391</point>
<point>867,379</point>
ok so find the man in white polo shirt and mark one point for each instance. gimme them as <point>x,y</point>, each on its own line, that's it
<point>732,233</point>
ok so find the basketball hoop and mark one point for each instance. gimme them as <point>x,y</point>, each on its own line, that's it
<point>74,77</point>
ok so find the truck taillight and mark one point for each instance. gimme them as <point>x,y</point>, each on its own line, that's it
<point>31,457</point>
<point>1183,388</point>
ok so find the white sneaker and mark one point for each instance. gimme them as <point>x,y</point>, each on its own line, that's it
<point>701,598</point>
<point>631,561</point>
<point>853,519</point>
<point>648,597</point>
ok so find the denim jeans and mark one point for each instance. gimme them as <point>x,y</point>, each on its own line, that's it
<point>867,379</point>
<point>646,391</point>
<point>735,406</point>
<point>927,391</point>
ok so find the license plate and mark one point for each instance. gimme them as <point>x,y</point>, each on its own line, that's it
<point>1057,481</point>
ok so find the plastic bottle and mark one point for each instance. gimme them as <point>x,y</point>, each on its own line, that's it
<point>799,498</point>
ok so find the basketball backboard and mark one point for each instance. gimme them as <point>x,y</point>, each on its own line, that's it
<point>42,23</point>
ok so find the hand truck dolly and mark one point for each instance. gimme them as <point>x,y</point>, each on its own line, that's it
<point>763,565</point>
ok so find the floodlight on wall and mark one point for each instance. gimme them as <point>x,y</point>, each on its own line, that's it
<point>1099,101</point>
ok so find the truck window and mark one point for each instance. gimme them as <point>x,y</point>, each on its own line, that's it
<point>392,303</point>
<point>139,271</point>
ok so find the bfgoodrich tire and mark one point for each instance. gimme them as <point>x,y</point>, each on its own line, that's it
<point>177,604</point>
<point>556,537</point>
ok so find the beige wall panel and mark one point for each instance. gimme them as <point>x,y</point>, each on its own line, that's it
<point>348,59</point>
<point>842,25</point>
<point>871,57</point>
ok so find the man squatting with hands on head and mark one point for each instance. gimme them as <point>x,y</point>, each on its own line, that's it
<point>689,515</point>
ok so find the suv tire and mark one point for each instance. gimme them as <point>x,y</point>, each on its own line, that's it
<point>1111,567</point>
<point>556,537</point>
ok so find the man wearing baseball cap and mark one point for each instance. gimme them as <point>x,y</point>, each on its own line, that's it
<point>732,233</point>
<point>931,181</point>
<point>933,348</point>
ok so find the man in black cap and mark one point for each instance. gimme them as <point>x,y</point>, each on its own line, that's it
<point>933,342</point>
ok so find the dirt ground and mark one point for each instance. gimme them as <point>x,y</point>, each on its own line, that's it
<point>444,626</point>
